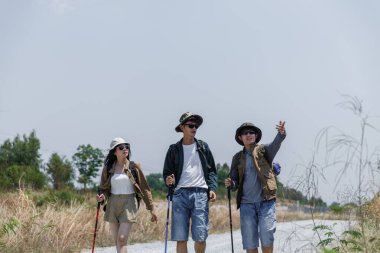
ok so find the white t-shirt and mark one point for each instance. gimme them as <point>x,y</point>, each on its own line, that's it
<point>192,172</point>
<point>121,184</point>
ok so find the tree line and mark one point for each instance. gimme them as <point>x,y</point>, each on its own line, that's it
<point>21,165</point>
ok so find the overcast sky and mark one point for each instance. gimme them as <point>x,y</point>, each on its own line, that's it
<point>86,71</point>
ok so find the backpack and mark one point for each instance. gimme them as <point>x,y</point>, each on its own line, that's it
<point>132,168</point>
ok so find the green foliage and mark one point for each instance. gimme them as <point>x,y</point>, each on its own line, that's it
<point>65,197</point>
<point>87,160</point>
<point>156,182</point>
<point>336,208</point>
<point>9,226</point>
<point>223,172</point>
<point>20,163</point>
<point>293,194</point>
<point>60,171</point>
<point>157,185</point>
<point>21,151</point>
<point>324,250</point>
<point>348,241</point>
<point>26,176</point>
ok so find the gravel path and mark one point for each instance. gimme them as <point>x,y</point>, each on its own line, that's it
<point>290,237</point>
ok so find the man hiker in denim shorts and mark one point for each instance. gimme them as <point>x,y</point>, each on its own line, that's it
<point>253,176</point>
<point>190,170</point>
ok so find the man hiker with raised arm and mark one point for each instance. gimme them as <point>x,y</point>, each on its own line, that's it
<point>190,169</point>
<point>253,177</point>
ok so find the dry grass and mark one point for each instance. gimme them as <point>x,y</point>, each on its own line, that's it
<point>24,227</point>
<point>372,211</point>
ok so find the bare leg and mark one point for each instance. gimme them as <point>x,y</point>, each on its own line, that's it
<point>200,247</point>
<point>181,246</point>
<point>114,227</point>
<point>252,250</point>
<point>267,249</point>
<point>123,234</point>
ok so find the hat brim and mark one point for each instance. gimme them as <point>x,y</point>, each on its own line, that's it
<point>196,118</point>
<point>115,145</point>
<point>254,128</point>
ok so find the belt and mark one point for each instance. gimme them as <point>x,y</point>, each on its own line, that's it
<point>195,189</point>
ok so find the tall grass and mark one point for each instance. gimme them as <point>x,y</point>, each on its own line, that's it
<point>52,228</point>
<point>28,226</point>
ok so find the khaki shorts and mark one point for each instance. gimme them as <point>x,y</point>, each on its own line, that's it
<point>121,208</point>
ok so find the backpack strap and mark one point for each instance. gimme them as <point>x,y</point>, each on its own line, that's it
<point>202,149</point>
<point>132,173</point>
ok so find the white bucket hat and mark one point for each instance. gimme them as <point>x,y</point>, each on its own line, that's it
<point>117,141</point>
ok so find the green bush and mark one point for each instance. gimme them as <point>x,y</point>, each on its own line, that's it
<point>58,197</point>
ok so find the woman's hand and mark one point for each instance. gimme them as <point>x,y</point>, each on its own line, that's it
<point>100,198</point>
<point>154,217</point>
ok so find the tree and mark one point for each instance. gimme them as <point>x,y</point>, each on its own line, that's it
<point>20,163</point>
<point>223,172</point>
<point>60,171</point>
<point>156,182</point>
<point>87,160</point>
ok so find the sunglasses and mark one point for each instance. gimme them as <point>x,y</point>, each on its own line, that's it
<point>123,146</point>
<point>248,132</point>
<point>191,126</point>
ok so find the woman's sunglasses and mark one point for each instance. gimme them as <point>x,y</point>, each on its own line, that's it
<point>123,146</point>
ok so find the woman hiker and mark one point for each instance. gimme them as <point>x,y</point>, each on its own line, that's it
<point>121,188</point>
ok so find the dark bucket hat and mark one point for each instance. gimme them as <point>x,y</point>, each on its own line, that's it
<point>187,116</point>
<point>247,125</point>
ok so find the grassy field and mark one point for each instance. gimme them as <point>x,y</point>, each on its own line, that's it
<point>26,225</point>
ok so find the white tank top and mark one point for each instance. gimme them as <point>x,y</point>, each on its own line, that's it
<point>121,184</point>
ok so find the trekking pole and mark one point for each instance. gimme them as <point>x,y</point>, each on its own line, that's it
<point>96,226</point>
<point>229,205</point>
<point>167,217</point>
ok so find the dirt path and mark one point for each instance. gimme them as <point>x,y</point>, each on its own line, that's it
<point>290,237</point>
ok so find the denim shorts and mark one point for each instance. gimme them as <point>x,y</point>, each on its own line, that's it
<point>258,220</point>
<point>190,203</point>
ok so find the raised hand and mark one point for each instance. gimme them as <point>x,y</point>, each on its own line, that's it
<point>281,127</point>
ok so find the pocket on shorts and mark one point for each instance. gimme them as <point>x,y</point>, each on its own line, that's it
<point>178,192</point>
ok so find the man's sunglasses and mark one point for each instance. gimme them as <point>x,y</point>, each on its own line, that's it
<point>123,146</point>
<point>192,126</point>
<point>248,132</point>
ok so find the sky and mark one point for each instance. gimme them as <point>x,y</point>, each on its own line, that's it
<point>86,71</point>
